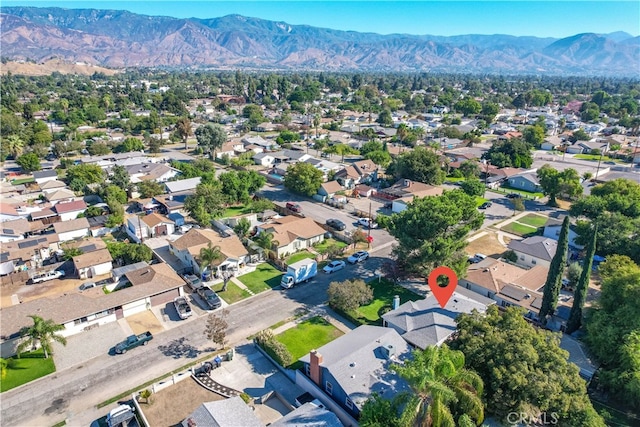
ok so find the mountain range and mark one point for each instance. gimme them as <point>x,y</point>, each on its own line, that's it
<point>118,39</point>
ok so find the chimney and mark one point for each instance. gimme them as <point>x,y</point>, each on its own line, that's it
<point>315,360</point>
<point>396,302</point>
<point>407,183</point>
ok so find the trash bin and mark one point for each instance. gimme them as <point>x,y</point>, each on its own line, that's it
<point>230,355</point>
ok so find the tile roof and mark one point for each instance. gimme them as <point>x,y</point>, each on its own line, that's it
<point>66,207</point>
<point>90,259</point>
<point>539,247</point>
<point>289,228</point>
<point>73,225</point>
<point>7,209</point>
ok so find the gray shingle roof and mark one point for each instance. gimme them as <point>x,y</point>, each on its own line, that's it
<point>231,412</point>
<point>182,185</point>
<point>308,415</point>
<point>423,323</point>
<point>539,247</point>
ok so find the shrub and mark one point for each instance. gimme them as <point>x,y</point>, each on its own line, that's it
<point>274,348</point>
<point>349,295</point>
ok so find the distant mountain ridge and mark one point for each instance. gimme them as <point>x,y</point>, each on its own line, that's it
<point>118,38</point>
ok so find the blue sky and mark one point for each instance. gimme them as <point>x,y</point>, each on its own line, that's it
<point>521,18</point>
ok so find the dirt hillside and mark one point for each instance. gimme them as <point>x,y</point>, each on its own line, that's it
<point>48,67</point>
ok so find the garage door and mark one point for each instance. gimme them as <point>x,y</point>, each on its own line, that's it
<point>164,298</point>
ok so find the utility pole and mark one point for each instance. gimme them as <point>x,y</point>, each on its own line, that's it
<point>370,224</point>
<point>598,168</point>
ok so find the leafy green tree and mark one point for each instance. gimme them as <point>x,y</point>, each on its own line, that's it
<point>384,118</point>
<point>510,153</point>
<point>128,145</point>
<point>556,269</point>
<point>303,178</point>
<point>211,138</point>
<point>129,253</point>
<point>556,183</point>
<point>347,296</point>
<point>12,145</point>
<point>381,158</point>
<point>534,135</point>
<point>420,165</point>
<point>442,387</point>
<point>473,187</point>
<point>523,368</point>
<point>79,176</point>
<point>431,232</point>
<point>69,253</point>
<point>287,137</point>
<point>205,204</point>
<point>260,204</point>
<point>150,188</point>
<point>238,187</point>
<point>42,332</point>
<point>242,228</point>
<point>371,146</point>
<point>98,149</point>
<point>183,129</point>
<point>469,169</point>
<point>120,178</point>
<point>575,316</point>
<point>29,162</point>
<point>93,211</point>
<point>574,271</point>
<point>468,107</point>
<point>115,193</point>
<point>380,412</point>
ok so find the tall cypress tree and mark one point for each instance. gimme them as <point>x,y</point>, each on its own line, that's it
<point>554,278</point>
<point>575,316</point>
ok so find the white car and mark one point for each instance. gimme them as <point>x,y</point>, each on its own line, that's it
<point>367,222</point>
<point>87,285</point>
<point>358,256</point>
<point>49,275</point>
<point>334,266</point>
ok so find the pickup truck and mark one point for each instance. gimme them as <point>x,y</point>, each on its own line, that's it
<point>49,275</point>
<point>182,307</point>
<point>133,341</point>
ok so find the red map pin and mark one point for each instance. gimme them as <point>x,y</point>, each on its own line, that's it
<point>443,293</point>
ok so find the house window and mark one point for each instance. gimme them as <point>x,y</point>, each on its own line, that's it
<point>328,387</point>
<point>521,257</point>
<point>349,403</point>
<point>307,370</point>
<point>533,261</point>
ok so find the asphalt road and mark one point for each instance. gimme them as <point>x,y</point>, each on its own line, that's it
<point>72,394</point>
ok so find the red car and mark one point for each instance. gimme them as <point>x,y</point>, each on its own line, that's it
<point>294,207</point>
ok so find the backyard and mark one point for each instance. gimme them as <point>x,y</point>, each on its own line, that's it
<point>232,211</point>
<point>312,333</point>
<point>265,277</point>
<point>383,293</point>
<point>28,367</point>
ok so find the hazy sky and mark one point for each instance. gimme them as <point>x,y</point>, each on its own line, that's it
<point>520,18</point>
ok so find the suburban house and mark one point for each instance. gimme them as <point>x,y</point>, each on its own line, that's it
<point>532,251</point>
<point>170,204</point>
<point>44,176</point>
<point>92,264</point>
<point>344,373</point>
<point>349,177</point>
<point>28,253</point>
<point>404,191</point>
<point>293,233</point>
<point>507,284</point>
<point>70,210</point>
<point>9,212</point>
<point>78,312</point>
<point>187,249</point>
<point>264,159</point>
<point>98,226</point>
<point>329,189</point>
<point>60,195</point>
<point>72,229</point>
<point>312,414</point>
<point>14,230</point>
<point>259,141</point>
<point>189,184</point>
<point>53,185</point>
<point>157,172</point>
<point>552,231</point>
<point>143,227</point>
<point>367,169</point>
<point>230,148</point>
<point>424,323</point>
<point>589,146</point>
<point>45,215</point>
<point>230,412</point>
<point>364,190</point>
<point>526,181</point>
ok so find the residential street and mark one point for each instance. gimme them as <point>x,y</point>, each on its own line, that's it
<point>72,394</point>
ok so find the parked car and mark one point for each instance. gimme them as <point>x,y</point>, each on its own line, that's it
<point>133,341</point>
<point>294,207</point>
<point>120,416</point>
<point>358,256</point>
<point>367,223</point>
<point>193,281</point>
<point>514,196</point>
<point>87,285</point>
<point>334,266</point>
<point>182,307</point>
<point>211,299</point>
<point>486,205</point>
<point>477,258</point>
<point>336,223</point>
<point>49,275</point>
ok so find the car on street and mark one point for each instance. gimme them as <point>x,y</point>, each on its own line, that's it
<point>514,196</point>
<point>333,266</point>
<point>49,275</point>
<point>486,205</point>
<point>367,223</point>
<point>210,298</point>
<point>336,224</point>
<point>87,285</point>
<point>358,256</point>
<point>294,207</point>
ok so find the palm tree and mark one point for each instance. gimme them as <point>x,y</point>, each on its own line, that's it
<point>42,332</point>
<point>183,127</point>
<point>266,242</point>
<point>14,145</point>
<point>209,255</point>
<point>442,387</point>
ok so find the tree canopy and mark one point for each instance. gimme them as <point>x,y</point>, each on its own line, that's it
<point>349,295</point>
<point>432,232</point>
<point>205,204</point>
<point>29,162</point>
<point>523,368</point>
<point>211,138</point>
<point>512,152</point>
<point>420,165</point>
<point>303,178</point>
<point>556,183</point>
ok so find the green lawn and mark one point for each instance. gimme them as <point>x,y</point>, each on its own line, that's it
<point>322,246</point>
<point>383,293</point>
<point>29,367</point>
<point>265,277</point>
<point>23,181</point>
<point>233,293</point>
<point>453,179</point>
<point>310,334</point>
<point>594,157</point>
<point>519,229</point>
<point>526,194</point>
<point>534,220</point>
<point>300,256</point>
<point>234,211</point>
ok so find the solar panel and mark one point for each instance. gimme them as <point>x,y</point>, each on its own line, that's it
<point>28,244</point>
<point>8,231</point>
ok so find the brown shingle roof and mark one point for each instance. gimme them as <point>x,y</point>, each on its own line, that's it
<point>73,225</point>
<point>156,273</point>
<point>92,258</point>
<point>154,219</point>
<point>196,239</point>
<point>15,227</point>
<point>331,187</point>
<point>289,228</point>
